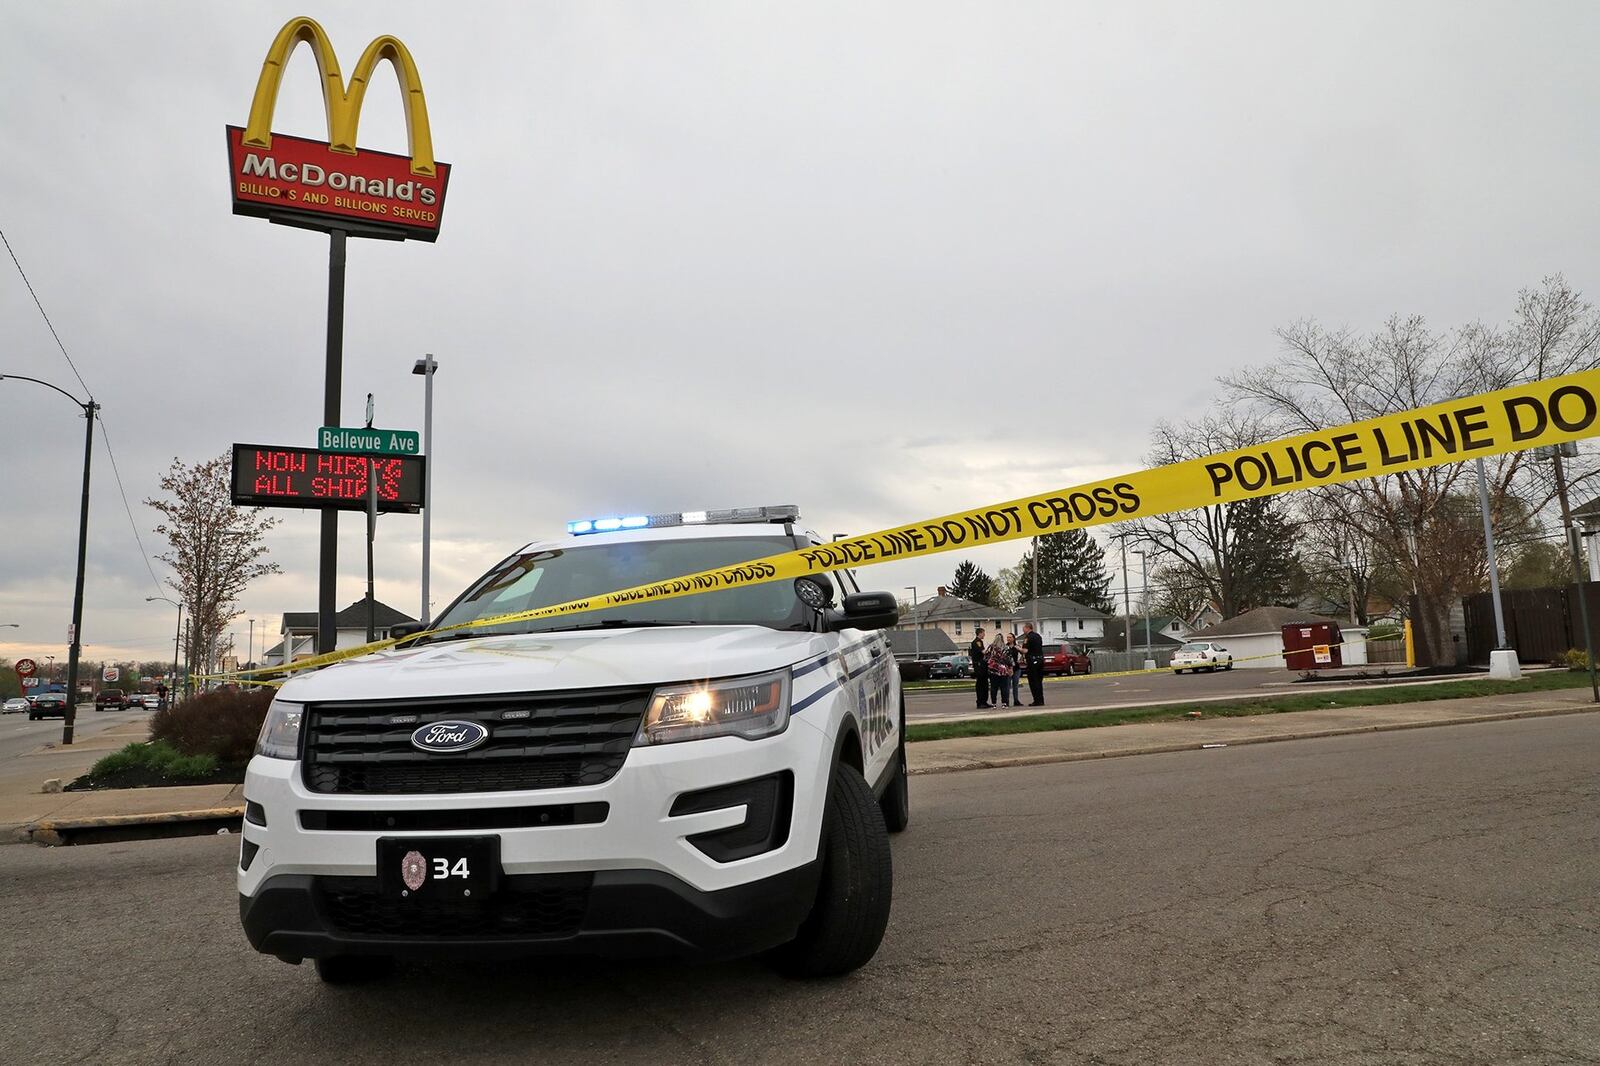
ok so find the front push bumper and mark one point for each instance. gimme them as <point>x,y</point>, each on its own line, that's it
<point>616,913</point>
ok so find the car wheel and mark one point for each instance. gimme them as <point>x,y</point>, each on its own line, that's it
<point>1229,666</point>
<point>896,801</point>
<point>33,718</point>
<point>851,910</point>
<point>353,969</point>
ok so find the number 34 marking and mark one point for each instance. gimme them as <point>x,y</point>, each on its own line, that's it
<point>442,869</point>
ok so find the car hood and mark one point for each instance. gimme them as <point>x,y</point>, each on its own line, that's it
<point>542,662</point>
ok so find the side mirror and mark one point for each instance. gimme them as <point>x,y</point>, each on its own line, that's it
<point>868,610</point>
<point>406,629</point>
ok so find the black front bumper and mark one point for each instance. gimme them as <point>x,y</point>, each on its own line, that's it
<point>617,913</point>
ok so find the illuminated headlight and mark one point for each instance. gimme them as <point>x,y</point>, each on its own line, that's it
<point>280,733</point>
<point>748,707</point>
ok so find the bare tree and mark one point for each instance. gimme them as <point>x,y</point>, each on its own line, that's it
<point>216,550</point>
<point>1424,520</point>
<point>1236,555</point>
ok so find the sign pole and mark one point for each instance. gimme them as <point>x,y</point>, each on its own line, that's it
<point>327,568</point>
<point>372,530</point>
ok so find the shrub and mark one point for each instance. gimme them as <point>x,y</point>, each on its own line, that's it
<point>1577,659</point>
<point>158,758</point>
<point>223,725</point>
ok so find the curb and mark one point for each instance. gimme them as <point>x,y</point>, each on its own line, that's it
<point>1272,738</point>
<point>65,831</point>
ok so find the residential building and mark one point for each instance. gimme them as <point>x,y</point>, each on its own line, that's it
<point>1256,637</point>
<point>919,645</point>
<point>957,618</point>
<point>299,630</point>
<point>1162,636</point>
<point>1060,618</point>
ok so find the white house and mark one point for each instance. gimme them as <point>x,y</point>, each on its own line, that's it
<point>957,618</point>
<point>1060,618</point>
<point>1255,638</point>
<point>299,630</point>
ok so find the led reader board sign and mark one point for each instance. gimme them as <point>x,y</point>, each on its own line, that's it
<point>269,476</point>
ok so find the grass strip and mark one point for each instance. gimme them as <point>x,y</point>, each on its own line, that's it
<point>1543,681</point>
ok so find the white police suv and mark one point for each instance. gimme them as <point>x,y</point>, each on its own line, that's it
<point>709,776</point>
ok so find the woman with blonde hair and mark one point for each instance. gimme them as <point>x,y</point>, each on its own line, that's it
<point>999,661</point>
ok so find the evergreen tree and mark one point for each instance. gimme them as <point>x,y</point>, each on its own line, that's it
<point>1071,564</point>
<point>1265,570</point>
<point>971,583</point>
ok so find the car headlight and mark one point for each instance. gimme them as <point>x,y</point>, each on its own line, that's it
<point>748,707</point>
<point>280,733</point>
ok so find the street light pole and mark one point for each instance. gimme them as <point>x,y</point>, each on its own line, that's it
<point>427,366</point>
<point>1577,570</point>
<point>1144,599</point>
<point>74,642</point>
<point>916,634</point>
<point>172,679</point>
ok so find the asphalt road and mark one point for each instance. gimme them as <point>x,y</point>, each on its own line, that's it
<point>1416,897</point>
<point>19,736</point>
<point>1098,693</point>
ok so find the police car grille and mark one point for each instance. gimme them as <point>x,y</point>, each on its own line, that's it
<point>546,906</point>
<point>537,741</point>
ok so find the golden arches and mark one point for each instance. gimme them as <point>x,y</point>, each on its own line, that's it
<point>342,103</point>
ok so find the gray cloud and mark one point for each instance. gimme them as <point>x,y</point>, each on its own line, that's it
<point>884,261</point>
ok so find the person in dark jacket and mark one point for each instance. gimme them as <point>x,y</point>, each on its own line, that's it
<point>980,669</point>
<point>1033,651</point>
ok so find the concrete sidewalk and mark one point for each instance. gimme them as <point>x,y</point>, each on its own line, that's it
<point>23,814</point>
<point>1144,738</point>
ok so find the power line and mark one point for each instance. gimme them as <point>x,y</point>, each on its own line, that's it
<point>129,510</point>
<point>45,316</point>
<point>103,433</point>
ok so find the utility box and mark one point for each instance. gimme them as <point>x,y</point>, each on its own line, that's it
<point>1312,645</point>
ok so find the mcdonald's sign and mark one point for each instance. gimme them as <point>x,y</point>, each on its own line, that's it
<point>330,184</point>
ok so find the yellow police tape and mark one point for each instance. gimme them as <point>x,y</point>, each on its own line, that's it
<point>1552,411</point>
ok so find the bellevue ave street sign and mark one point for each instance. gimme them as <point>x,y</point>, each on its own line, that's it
<point>373,441</point>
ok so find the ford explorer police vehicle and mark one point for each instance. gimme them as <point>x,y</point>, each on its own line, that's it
<point>710,776</point>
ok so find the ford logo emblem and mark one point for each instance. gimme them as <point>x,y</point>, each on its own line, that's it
<point>449,737</point>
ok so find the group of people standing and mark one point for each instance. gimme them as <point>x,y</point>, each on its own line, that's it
<point>997,667</point>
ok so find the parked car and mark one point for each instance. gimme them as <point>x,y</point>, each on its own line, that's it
<point>1065,659</point>
<point>951,666</point>
<point>48,705</point>
<point>1200,655</point>
<point>14,705</point>
<point>111,699</point>
<point>150,701</point>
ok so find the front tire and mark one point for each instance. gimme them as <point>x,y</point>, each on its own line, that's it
<point>851,911</point>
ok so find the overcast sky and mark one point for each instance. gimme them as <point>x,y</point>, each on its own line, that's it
<point>884,261</point>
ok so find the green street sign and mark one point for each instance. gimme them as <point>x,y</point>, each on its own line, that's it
<point>372,441</point>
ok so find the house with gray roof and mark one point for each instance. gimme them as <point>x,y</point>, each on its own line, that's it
<point>299,630</point>
<point>1060,618</point>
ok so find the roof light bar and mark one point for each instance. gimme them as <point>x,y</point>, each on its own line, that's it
<point>786,512</point>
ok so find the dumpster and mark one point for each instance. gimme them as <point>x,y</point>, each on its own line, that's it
<point>1312,645</point>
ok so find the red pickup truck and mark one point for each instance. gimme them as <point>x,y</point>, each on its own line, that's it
<point>1066,659</point>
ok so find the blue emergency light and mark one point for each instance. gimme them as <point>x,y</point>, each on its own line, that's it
<point>786,512</point>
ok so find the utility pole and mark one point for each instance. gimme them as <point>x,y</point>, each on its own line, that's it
<point>1034,555</point>
<point>1127,611</point>
<point>1577,568</point>
<point>75,630</point>
<point>916,638</point>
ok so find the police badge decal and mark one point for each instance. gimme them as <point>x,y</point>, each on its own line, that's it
<point>413,870</point>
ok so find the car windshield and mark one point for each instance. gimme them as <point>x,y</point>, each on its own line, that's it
<point>544,578</point>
